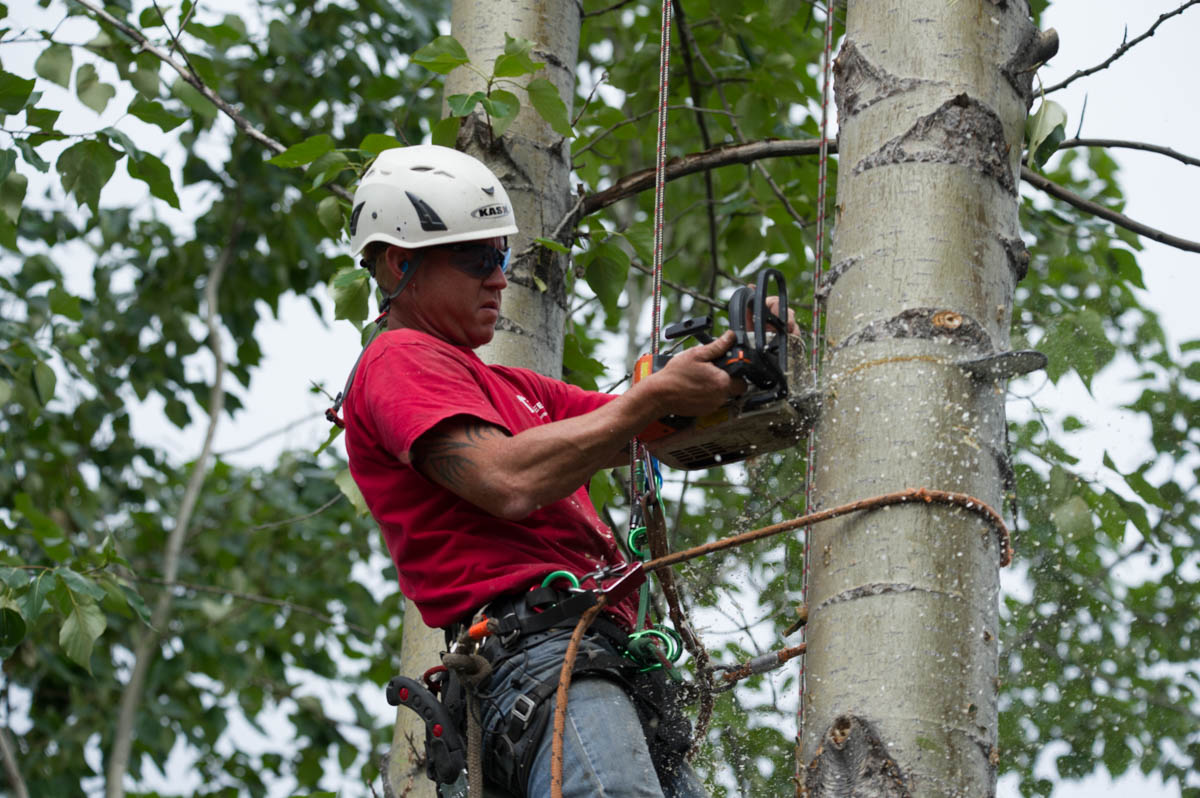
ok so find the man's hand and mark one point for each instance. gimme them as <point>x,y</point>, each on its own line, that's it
<point>691,385</point>
<point>772,303</point>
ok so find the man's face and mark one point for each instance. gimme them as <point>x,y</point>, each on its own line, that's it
<point>446,301</point>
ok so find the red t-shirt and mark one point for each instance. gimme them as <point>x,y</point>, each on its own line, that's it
<point>451,556</point>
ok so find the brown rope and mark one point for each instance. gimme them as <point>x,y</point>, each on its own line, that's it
<point>472,669</point>
<point>927,495</point>
<point>560,697</point>
<point>656,537</point>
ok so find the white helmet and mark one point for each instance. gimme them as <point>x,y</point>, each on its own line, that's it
<point>426,195</point>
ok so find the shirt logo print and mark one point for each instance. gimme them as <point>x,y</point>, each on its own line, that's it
<point>537,409</point>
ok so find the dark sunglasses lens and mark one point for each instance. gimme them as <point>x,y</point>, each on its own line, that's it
<point>481,261</point>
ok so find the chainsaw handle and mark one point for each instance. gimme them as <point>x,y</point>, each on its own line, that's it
<point>763,317</point>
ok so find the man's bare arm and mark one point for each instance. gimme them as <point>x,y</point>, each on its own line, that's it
<point>511,476</point>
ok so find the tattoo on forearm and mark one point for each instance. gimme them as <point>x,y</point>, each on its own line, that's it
<point>447,457</point>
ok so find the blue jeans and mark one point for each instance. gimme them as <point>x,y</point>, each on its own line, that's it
<point>605,753</point>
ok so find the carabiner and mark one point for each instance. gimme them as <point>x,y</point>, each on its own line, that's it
<point>550,577</point>
<point>636,538</point>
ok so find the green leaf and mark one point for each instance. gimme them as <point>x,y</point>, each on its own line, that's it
<point>334,432</point>
<point>552,245</point>
<point>607,270</point>
<point>329,211</point>
<point>351,289</point>
<point>445,132</point>
<point>90,90</point>
<point>54,64</point>
<point>6,391</point>
<point>64,303</point>
<point>135,602</point>
<point>34,600</point>
<point>79,584</point>
<point>14,91</point>
<point>85,168</point>
<point>155,113</point>
<point>464,104</point>
<point>155,174</point>
<point>547,102</point>
<point>441,55</point>
<point>1073,518</point>
<point>8,162</point>
<point>515,60</point>
<point>376,143</point>
<point>31,157</point>
<point>326,168</point>
<point>15,578</point>
<point>44,382</point>
<point>305,152</point>
<point>12,630</point>
<point>349,489</point>
<point>80,630</point>
<point>1047,129</point>
<point>131,149</point>
<point>43,119</point>
<point>503,107</point>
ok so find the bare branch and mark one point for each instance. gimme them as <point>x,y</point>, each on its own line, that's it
<point>725,155</point>
<point>253,598</point>
<point>147,646</point>
<point>11,770</point>
<point>297,519</point>
<point>1131,145</point>
<point>1124,48</point>
<point>1055,190</point>
<point>642,180</point>
<point>716,303</point>
<point>613,7</point>
<point>273,433</point>
<point>635,119</point>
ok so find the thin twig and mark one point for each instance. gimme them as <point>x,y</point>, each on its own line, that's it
<point>11,769</point>
<point>147,645</point>
<point>1131,145</point>
<point>613,7</point>
<point>716,303</point>
<point>273,433</point>
<point>297,519</point>
<point>689,42</point>
<point>175,43</point>
<point>1124,48</point>
<point>253,598</point>
<point>633,120</point>
<point>239,121</point>
<point>1070,197</point>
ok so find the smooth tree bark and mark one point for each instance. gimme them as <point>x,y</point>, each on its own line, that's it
<point>901,694</point>
<point>533,162</point>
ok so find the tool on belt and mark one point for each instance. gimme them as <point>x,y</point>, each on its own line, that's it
<point>778,406</point>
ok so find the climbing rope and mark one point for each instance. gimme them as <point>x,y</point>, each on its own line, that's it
<point>815,355</point>
<point>758,665</point>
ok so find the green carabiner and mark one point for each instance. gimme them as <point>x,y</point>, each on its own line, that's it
<point>636,537</point>
<point>550,577</point>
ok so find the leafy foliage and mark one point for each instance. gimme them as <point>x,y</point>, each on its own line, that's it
<point>269,602</point>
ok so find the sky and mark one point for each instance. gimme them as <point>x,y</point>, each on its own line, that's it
<point>1145,96</point>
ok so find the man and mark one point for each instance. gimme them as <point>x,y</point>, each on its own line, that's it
<point>478,474</point>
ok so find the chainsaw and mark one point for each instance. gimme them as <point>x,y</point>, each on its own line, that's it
<point>778,407</point>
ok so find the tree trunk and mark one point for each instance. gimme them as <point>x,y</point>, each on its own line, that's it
<point>534,163</point>
<point>901,691</point>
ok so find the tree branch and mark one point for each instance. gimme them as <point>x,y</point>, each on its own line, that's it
<point>299,518</point>
<point>1131,145</point>
<point>253,598</point>
<point>11,769</point>
<point>1124,48</point>
<point>190,78</point>
<point>1055,190</point>
<point>727,155</point>
<point>147,645</point>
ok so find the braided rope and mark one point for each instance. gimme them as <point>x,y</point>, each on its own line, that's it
<point>660,182</point>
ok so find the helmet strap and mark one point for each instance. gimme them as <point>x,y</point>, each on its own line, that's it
<point>407,270</point>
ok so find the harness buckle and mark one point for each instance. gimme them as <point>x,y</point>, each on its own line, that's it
<point>523,709</point>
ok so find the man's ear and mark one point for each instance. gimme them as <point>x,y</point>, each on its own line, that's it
<point>397,260</point>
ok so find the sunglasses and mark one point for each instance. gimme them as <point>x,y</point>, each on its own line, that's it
<point>478,260</point>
